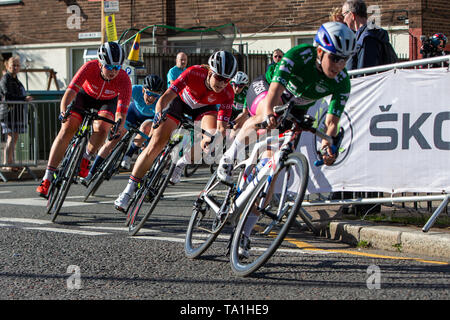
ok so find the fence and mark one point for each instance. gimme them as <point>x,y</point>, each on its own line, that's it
<point>160,63</point>
<point>19,125</point>
<point>415,198</point>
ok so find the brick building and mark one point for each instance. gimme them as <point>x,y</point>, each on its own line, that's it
<point>55,33</point>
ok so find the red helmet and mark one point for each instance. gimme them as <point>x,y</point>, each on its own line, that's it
<point>437,38</point>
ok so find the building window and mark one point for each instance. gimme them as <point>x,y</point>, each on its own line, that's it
<point>304,40</point>
<point>10,2</point>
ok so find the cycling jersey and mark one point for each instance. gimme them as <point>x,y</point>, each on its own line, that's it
<point>191,88</point>
<point>139,102</point>
<point>298,73</point>
<point>239,100</point>
<point>89,78</point>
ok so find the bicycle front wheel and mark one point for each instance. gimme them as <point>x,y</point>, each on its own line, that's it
<point>206,223</point>
<point>152,193</point>
<point>273,206</point>
<point>73,165</point>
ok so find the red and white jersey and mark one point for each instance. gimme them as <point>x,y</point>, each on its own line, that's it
<point>191,88</point>
<point>89,78</point>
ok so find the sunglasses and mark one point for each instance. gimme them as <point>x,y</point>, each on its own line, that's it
<point>278,56</point>
<point>337,59</point>
<point>152,94</point>
<point>111,67</point>
<point>237,85</point>
<point>220,78</point>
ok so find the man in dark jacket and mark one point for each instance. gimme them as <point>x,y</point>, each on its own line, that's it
<point>369,37</point>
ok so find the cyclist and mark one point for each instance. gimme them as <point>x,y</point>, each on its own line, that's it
<point>195,92</point>
<point>141,110</point>
<point>238,116</point>
<point>99,84</point>
<point>305,74</point>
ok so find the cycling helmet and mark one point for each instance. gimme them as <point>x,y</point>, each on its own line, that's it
<point>153,83</point>
<point>336,38</point>
<point>111,53</point>
<point>223,63</point>
<point>240,78</point>
<point>437,38</point>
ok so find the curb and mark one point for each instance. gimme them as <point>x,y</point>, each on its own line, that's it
<point>403,239</point>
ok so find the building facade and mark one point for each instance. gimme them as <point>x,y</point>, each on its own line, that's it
<point>56,33</point>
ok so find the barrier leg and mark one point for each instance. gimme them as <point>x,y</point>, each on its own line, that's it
<point>436,213</point>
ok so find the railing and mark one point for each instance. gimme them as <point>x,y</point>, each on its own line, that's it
<point>18,148</point>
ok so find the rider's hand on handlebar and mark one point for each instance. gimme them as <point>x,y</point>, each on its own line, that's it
<point>328,156</point>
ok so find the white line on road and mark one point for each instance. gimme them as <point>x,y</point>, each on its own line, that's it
<point>24,220</point>
<point>39,202</point>
<point>71,231</point>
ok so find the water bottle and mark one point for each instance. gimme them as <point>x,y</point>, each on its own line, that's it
<point>256,169</point>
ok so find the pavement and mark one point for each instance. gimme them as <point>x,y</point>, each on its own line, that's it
<point>332,224</point>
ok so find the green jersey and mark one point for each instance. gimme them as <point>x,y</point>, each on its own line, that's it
<point>298,73</point>
<point>240,100</point>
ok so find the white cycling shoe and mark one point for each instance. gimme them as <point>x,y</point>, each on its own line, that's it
<point>224,170</point>
<point>121,203</point>
<point>176,175</point>
<point>126,163</point>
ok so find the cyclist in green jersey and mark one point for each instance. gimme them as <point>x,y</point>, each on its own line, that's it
<point>305,74</point>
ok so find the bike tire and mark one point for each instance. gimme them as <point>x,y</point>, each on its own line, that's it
<point>190,169</point>
<point>158,183</point>
<point>204,225</point>
<point>107,170</point>
<point>73,165</point>
<point>268,241</point>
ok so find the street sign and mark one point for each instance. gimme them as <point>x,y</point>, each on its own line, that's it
<point>111,6</point>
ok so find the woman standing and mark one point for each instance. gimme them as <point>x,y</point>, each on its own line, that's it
<point>11,89</point>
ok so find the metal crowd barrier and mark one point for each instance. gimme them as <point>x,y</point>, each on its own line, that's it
<point>27,131</point>
<point>442,61</point>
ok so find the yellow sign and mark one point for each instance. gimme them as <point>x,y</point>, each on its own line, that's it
<point>111,31</point>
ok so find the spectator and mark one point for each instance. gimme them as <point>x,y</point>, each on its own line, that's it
<point>336,15</point>
<point>277,54</point>
<point>369,48</point>
<point>11,89</point>
<point>175,71</point>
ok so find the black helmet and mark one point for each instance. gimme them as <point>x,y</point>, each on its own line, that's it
<point>223,63</point>
<point>111,53</point>
<point>153,83</point>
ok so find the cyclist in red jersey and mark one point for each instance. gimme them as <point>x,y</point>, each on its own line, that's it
<point>196,92</point>
<point>99,84</point>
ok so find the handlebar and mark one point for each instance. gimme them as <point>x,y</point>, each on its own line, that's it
<point>112,134</point>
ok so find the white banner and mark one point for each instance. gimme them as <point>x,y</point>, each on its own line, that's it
<point>397,135</point>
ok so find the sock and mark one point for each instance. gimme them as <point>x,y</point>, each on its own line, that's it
<point>88,155</point>
<point>97,162</point>
<point>132,150</point>
<point>183,160</point>
<point>132,185</point>
<point>250,223</point>
<point>235,148</point>
<point>49,173</point>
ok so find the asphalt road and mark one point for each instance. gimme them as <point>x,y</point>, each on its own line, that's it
<point>88,254</point>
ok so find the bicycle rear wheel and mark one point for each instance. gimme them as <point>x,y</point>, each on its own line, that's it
<point>107,169</point>
<point>205,223</point>
<point>69,174</point>
<point>275,216</point>
<point>151,192</point>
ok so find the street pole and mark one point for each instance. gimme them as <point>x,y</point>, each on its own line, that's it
<point>103,21</point>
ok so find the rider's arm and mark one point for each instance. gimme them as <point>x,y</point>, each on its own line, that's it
<point>272,99</point>
<point>67,98</point>
<point>331,123</point>
<point>164,100</point>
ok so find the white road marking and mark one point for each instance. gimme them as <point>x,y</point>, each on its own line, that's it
<point>24,220</point>
<point>118,229</point>
<point>39,202</point>
<point>71,231</point>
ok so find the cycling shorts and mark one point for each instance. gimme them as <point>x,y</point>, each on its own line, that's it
<point>134,117</point>
<point>177,108</point>
<point>83,101</point>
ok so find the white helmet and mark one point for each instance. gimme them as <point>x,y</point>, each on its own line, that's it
<point>336,38</point>
<point>240,78</point>
<point>111,53</point>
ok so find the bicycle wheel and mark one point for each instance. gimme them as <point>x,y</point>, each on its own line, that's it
<point>190,169</point>
<point>151,192</point>
<point>69,174</point>
<point>274,217</point>
<point>206,223</point>
<point>108,168</point>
